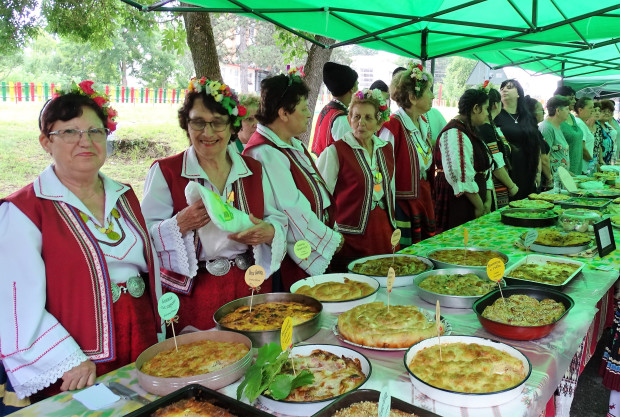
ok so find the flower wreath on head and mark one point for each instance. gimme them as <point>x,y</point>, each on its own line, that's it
<point>486,86</point>
<point>416,72</point>
<point>221,93</point>
<point>295,74</point>
<point>85,88</point>
<point>384,111</point>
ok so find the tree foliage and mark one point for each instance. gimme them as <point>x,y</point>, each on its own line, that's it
<point>19,22</point>
<point>457,72</point>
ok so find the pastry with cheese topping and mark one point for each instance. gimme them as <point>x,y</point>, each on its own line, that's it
<point>268,316</point>
<point>523,310</point>
<point>192,408</point>
<point>337,291</point>
<point>367,409</point>
<point>403,265</point>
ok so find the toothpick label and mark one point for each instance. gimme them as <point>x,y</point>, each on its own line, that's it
<point>255,276</point>
<point>168,305</point>
<point>385,403</point>
<point>391,276</point>
<point>395,239</point>
<point>495,269</point>
<point>302,249</point>
<point>438,324</point>
<point>286,334</point>
<point>465,236</point>
<point>530,238</point>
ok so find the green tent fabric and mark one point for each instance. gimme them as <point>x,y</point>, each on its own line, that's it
<point>562,37</point>
<point>603,87</point>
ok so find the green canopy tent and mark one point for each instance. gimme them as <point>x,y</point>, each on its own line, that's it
<point>603,87</point>
<point>566,38</point>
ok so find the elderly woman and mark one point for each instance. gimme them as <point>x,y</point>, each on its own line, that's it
<point>519,128</point>
<point>500,149</point>
<point>359,172</point>
<point>571,131</point>
<point>79,279</point>
<point>584,108</point>
<point>410,135</point>
<point>558,112</point>
<point>207,268</point>
<point>609,130</point>
<point>299,190</point>
<point>463,184</point>
<point>249,122</point>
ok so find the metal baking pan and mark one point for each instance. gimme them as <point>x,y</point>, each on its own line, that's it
<point>585,203</point>
<point>557,250</point>
<point>399,280</point>
<point>541,259</point>
<point>203,394</point>
<point>520,222</point>
<point>443,265</point>
<point>596,194</point>
<point>513,332</point>
<point>454,301</point>
<point>371,395</point>
<point>259,338</point>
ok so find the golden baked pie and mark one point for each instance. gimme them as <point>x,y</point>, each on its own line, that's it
<point>195,358</point>
<point>553,237</point>
<point>533,204</point>
<point>548,197</point>
<point>268,316</point>
<point>192,408</point>
<point>333,375</point>
<point>337,291</point>
<point>403,265</point>
<point>467,367</point>
<point>549,272</point>
<point>457,284</point>
<point>523,310</point>
<point>368,409</point>
<point>464,256</point>
<point>372,325</point>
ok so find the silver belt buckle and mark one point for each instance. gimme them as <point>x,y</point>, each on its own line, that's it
<point>218,267</point>
<point>135,286</point>
<point>243,261</point>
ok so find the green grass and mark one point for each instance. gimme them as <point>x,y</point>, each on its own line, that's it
<point>145,133</point>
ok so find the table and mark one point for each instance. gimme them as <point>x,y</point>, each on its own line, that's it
<point>550,356</point>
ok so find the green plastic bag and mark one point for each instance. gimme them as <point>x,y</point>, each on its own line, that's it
<point>223,215</point>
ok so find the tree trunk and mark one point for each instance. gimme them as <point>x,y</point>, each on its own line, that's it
<point>201,43</point>
<point>317,57</point>
<point>243,62</point>
<point>123,70</point>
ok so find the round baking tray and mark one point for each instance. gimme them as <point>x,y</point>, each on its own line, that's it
<point>539,204</point>
<point>557,250</point>
<point>259,338</point>
<point>308,408</point>
<point>443,265</point>
<point>340,306</point>
<point>454,301</point>
<point>214,380</point>
<point>520,222</point>
<point>400,280</point>
<point>513,332</point>
<point>461,399</point>
<point>606,193</point>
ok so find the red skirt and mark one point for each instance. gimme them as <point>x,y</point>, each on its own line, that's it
<point>374,241</point>
<point>416,217</point>
<point>133,318</point>
<point>452,211</point>
<point>208,294</point>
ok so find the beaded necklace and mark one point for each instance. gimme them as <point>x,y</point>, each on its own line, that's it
<point>108,231</point>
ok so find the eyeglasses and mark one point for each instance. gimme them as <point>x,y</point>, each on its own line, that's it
<point>199,125</point>
<point>72,136</point>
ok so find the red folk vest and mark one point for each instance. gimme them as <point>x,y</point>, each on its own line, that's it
<point>407,162</point>
<point>355,182</point>
<point>248,194</point>
<point>323,129</point>
<point>78,282</point>
<point>304,180</point>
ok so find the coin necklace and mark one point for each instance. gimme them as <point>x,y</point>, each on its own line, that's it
<point>108,231</point>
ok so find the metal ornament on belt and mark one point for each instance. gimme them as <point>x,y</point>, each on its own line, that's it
<point>218,267</point>
<point>243,261</point>
<point>135,286</point>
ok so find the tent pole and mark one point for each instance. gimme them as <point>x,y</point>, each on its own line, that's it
<point>424,46</point>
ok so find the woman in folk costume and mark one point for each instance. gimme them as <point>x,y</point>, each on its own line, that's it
<point>463,184</point>
<point>207,272</point>
<point>298,188</point>
<point>80,282</point>
<point>409,133</point>
<point>359,172</point>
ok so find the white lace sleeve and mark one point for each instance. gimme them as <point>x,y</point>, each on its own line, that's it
<point>36,349</point>
<point>457,158</point>
<point>176,252</point>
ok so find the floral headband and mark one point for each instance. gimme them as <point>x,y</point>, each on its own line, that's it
<point>295,74</point>
<point>486,86</point>
<point>85,88</point>
<point>416,72</point>
<point>365,94</point>
<point>221,93</point>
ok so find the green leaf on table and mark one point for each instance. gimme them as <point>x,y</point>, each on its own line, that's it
<point>251,383</point>
<point>280,388</point>
<point>305,377</point>
<point>268,353</point>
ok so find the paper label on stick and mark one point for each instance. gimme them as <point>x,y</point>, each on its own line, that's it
<point>168,305</point>
<point>302,249</point>
<point>465,235</point>
<point>255,276</point>
<point>567,180</point>
<point>391,276</point>
<point>495,269</point>
<point>530,238</point>
<point>438,318</point>
<point>385,403</point>
<point>286,334</point>
<point>396,237</point>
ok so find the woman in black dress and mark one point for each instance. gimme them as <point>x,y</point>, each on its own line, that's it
<point>519,128</point>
